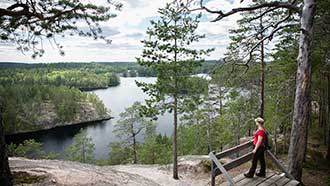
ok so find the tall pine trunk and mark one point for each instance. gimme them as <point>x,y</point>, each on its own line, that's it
<point>302,104</point>
<point>328,115</point>
<point>321,101</point>
<point>175,149</point>
<point>134,143</point>
<point>134,150</point>
<point>5,174</point>
<point>262,74</point>
<point>275,127</point>
<point>285,139</point>
<point>323,107</point>
<point>326,109</point>
<point>83,152</point>
<point>220,101</point>
<point>175,113</point>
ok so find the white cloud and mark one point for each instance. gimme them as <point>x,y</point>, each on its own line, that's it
<point>126,30</point>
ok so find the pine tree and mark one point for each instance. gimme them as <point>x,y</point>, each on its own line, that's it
<point>245,48</point>
<point>82,149</point>
<point>167,52</point>
<point>131,124</point>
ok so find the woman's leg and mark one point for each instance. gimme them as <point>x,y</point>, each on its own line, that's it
<point>256,157</point>
<point>262,163</point>
<point>254,165</point>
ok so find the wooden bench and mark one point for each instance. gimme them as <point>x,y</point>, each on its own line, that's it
<point>272,178</point>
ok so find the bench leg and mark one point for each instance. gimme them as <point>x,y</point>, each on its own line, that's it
<point>212,180</point>
<point>213,167</point>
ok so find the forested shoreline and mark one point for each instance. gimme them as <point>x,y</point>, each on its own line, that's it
<point>31,108</point>
<point>83,77</point>
<point>124,69</point>
<point>46,96</point>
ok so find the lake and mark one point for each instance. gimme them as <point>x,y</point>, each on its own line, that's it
<point>116,99</point>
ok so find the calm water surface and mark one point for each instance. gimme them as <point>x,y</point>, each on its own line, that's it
<point>116,99</point>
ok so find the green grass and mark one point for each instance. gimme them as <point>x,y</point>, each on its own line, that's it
<point>327,181</point>
<point>26,178</point>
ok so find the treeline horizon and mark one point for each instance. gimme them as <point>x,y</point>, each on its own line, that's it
<point>118,67</point>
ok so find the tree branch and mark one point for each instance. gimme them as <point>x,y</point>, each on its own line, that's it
<point>272,5</point>
<point>20,13</point>
<point>278,23</point>
<point>138,131</point>
<point>269,37</point>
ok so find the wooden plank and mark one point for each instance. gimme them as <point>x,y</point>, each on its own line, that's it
<point>271,180</point>
<point>282,181</point>
<point>255,180</point>
<point>251,181</point>
<point>235,179</point>
<point>292,183</point>
<point>234,149</point>
<point>235,163</point>
<point>239,178</point>
<point>222,169</point>
<point>260,180</point>
<point>279,165</point>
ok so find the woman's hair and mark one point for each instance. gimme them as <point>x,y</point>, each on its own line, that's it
<point>259,120</point>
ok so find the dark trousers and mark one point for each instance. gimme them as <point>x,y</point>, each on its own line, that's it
<point>258,156</point>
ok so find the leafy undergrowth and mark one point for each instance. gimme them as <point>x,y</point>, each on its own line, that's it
<point>316,169</point>
<point>22,177</point>
<point>316,172</point>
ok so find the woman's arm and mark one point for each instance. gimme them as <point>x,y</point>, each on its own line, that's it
<point>258,144</point>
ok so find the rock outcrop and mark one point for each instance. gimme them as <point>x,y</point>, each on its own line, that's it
<point>86,113</point>
<point>65,173</point>
<point>47,118</point>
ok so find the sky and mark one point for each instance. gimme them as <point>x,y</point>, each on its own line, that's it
<point>126,31</point>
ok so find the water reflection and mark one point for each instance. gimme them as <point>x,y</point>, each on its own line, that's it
<point>116,99</point>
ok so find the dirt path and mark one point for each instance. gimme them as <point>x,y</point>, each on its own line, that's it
<point>191,173</point>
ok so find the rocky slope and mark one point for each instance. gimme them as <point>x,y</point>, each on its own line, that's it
<point>65,173</point>
<point>86,113</point>
<point>193,171</point>
<point>47,118</point>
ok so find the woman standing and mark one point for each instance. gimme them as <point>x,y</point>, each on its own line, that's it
<point>258,150</point>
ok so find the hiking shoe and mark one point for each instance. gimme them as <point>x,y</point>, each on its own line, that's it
<point>259,174</point>
<point>247,175</point>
